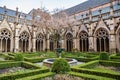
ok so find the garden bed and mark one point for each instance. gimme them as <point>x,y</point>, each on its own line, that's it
<point>19,69</point>
<point>100,68</point>
<point>8,67</point>
<point>12,70</point>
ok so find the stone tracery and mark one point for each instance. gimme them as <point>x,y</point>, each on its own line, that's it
<point>102,40</point>
<point>24,41</point>
<point>69,42</point>
<point>39,42</point>
<point>83,41</point>
<point>5,40</point>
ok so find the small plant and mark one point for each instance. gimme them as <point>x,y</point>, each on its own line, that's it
<point>104,56</point>
<point>60,66</point>
<point>19,57</point>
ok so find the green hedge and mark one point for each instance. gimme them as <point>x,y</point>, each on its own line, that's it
<point>8,57</point>
<point>109,63</point>
<point>115,57</point>
<point>37,77</point>
<point>33,60</point>
<point>84,69</point>
<point>18,64</point>
<point>10,64</point>
<point>15,76</point>
<point>30,65</point>
<point>60,66</point>
<point>90,65</point>
<point>6,61</point>
<point>104,56</point>
<point>85,59</point>
<point>95,72</point>
<point>89,77</point>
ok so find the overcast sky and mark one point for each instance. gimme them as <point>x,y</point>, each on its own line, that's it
<point>27,5</point>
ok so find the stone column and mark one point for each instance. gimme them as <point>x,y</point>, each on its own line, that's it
<point>48,44</point>
<point>112,43</point>
<point>44,45</point>
<point>91,37</point>
<point>30,45</point>
<point>74,44</point>
<point>91,43</point>
<point>16,42</point>
<point>62,44</point>
<point>34,44</point>
<point>12,44</point>
<point>77,44</point>
<point>112,33</point>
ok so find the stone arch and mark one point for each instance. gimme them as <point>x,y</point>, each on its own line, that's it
<point>5,40</point>
<point>39,42</point>
<point>24,41</point>
<point>69,42</point>
<point>100,25</point>
<point>83,41</point>
<point>102,40</point>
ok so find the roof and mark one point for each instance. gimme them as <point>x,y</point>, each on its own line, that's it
<point>85,6</point>
<point>13,13</point>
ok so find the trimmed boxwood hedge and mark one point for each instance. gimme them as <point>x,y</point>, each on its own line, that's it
<point>91,64</point>
<point>33,60</point>
<point>85,59</point>
<point>37,77</point>
<point>15,76</point>
<point>17,64</point>
<point>85,69</point>
<point>8,57</point>
<point>95,72</point>
<point>89,77</point>
<point>109,63</point>
<point>9,64</point>
<point>30,65</point>
<point>115,57</point>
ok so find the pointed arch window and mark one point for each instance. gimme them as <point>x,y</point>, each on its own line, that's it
<point>5,40</point>
<point>51,43</point>
<point>39,42</point>
<point>69,42</point>
<point>24,41</point>
<point>83,41</point>
<point>102,40</point>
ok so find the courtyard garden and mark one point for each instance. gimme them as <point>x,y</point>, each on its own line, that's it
<point>31,66</point>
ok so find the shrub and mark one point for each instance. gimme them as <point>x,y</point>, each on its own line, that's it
<point>19,57</point>
<point>118,54</point>
<point>104,56</point>
<point>63,54</point>
<point>60,66</point>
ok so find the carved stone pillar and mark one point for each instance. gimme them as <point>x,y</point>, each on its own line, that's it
<point>62,44</point>
<point>48,44</point>
<point>34,42</point>
<point>16,42</point>
<point>112,43</point>
<point>44,45</point>
<point>112,40</point>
